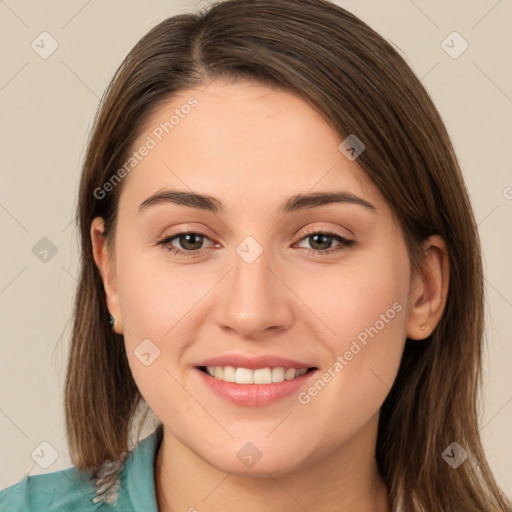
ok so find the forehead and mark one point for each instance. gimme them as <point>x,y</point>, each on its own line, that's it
<point>234,137</point>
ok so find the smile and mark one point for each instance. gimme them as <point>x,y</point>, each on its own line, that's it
<point>254,387</point>
<point>254,376</point>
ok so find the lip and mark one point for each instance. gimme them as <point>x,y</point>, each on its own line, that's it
<point>254,395</point>
<point>253,363</point>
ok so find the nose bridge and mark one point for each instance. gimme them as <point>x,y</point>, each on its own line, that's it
<point>253,298</point>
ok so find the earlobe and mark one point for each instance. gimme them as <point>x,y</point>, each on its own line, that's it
<point>429,290</point>
<point>105,267</point>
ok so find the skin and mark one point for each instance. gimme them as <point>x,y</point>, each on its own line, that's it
<point>253,147</point>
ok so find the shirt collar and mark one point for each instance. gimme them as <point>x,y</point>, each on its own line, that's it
<point>140,472</point>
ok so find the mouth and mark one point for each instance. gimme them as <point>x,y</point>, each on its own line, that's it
<point>265,376</point>
<point>254,380</point>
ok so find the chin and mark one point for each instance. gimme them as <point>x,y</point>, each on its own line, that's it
<point>256,459</point>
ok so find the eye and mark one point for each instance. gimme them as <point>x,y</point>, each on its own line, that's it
<point>191,243</point>
<point>323,241</point>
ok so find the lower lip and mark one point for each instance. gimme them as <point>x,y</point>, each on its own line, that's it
<point>254,395</point>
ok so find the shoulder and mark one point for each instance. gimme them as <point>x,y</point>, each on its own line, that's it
<point>73,490</point>
<point>59,491</point>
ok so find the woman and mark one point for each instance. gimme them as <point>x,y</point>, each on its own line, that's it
<point>280,261</point>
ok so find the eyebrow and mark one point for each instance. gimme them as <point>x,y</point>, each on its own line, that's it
<point>294,203</point>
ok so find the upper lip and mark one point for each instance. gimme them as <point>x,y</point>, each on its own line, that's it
<point>254,362</point>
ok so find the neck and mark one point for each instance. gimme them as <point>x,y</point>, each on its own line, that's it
<point>347,479</point>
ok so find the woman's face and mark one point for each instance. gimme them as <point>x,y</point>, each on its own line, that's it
<point>248,289</point>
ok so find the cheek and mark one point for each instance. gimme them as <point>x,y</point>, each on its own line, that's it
<point>367,314</point>
<point>154,294</point>
<point>154,301</point>
<point>361,298</point>
<point>157,306</point>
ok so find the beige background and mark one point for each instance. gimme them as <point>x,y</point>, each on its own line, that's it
<point>47,107</point>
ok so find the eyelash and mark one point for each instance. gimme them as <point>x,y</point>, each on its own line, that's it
<point>345,243</point>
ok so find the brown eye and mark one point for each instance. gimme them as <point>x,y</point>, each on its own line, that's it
<point>320,242</point>
<point>189,243</point>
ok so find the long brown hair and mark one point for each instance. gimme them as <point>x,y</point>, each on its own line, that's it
<point>362,86</point>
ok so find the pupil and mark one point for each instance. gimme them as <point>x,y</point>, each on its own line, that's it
<point>315,237</point>
<point>187,237</point>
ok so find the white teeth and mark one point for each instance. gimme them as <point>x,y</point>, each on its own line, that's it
<point>277,374</point>
<point>262,376</point>
<point>259,376</point>
<point>243,376</point>
<point>229,374</point>
<point>289,374</point>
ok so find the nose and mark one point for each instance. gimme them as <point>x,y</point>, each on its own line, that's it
<point>254,300</point>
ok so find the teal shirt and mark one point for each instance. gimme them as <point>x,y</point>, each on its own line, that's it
<point>70,490</point>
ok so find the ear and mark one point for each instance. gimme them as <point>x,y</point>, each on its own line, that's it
<point>107,271</point>
<point>429,290</point>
